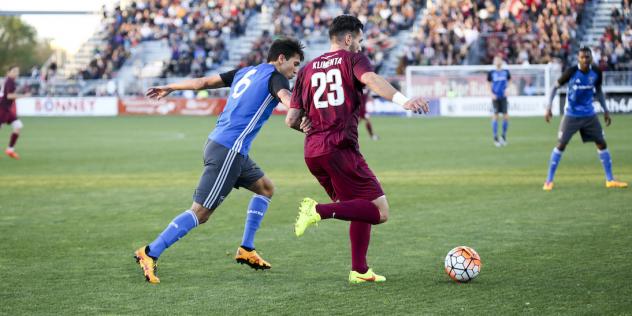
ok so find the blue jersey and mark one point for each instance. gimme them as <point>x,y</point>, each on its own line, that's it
<point>499,80</point>
<point>581,90</point>
<point>248,107</point>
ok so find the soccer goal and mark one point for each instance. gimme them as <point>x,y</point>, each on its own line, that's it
<point>464,90</point>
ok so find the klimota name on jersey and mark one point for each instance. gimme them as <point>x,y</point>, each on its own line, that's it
<point>327,63</point>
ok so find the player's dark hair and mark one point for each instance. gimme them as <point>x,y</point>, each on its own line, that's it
<point>344,24</point>
<point>287,47</point>
<point>586,50</point>
<point>11,67</point>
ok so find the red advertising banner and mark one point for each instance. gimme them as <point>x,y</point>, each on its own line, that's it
<point>171,106</point>
<point>177,106</point>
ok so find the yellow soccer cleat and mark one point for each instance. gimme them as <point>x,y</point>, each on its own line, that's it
<point>307,215</point>
<point>616,184</point>
<point>252,259</point>
<point>369,276</point>
<point>548,186</point>
<point>148,264</point>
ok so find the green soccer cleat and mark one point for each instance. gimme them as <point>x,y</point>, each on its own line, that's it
<point>307,215</point>
<point>369,276</point>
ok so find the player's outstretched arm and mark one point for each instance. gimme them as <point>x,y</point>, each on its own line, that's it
<point>383,88</point>
<point>210,82</point>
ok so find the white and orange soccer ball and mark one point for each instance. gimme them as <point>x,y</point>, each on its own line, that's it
<point>463,264</point>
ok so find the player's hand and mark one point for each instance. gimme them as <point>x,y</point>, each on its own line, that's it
<point>547,116</point>
<point>158,92</point>
<point>607,119</point>
<point>418,105</point>
<point>306,124</point>
<point>494,96</point>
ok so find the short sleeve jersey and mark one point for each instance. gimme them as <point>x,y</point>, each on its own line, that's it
<point>249,105</point>
<point>581,90</point>
<point>329,90</point>
<point>499,80</point>
<point>8,87</point>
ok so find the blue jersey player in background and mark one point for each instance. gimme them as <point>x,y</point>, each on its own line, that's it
<point>499,79</point>
<point>254,93</point>
<point>584,83</point>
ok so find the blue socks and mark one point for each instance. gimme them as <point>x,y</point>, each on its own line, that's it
<point>556,156</point>
<point>505,125</point>
<point>179,227</point>
<point>256,210</point>
<point>495,128</point>
<point>604,156</point>
<point>187,220</point>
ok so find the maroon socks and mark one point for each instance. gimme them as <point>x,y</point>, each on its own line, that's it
<point>360,235</point>
<point>14,139</point>
<point>354,210</point>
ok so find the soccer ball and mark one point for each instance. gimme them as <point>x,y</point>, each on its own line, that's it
<point>462,264</point>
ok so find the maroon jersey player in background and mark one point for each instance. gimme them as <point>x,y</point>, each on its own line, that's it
<point>8,111</point>
<point>328,90</point>
<point>364,114</point>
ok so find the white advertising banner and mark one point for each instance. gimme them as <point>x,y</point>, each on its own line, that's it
<point>67,106</point>
<point>482,106</point>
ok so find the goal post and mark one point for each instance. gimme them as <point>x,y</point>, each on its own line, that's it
<point>465,91</point>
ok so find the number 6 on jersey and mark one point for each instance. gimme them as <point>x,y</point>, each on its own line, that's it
<point>336,95</point>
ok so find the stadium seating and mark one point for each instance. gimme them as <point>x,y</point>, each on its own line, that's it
<point>614,51</point>
<point>310,19</point>
<point>531,31</point>
<point>196,32</point>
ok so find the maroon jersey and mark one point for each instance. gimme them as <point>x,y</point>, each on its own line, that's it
<point>329,90</point>
<point>8,87</point>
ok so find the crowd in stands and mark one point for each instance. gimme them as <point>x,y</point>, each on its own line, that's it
<point>520,31</point>
<point>534,31</point>
<point>308,19</point>
<point>196,31</point>
<point>615,48</point>
<point>446,31</point>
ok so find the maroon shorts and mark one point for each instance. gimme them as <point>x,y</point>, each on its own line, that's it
<point>7,115</point>
<point>345,176</point>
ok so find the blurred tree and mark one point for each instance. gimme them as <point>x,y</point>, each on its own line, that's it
<point>20,46</point>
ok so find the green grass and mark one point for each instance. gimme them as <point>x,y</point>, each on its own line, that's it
<point>88,191</point>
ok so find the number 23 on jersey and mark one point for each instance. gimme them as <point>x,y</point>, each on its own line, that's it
<point>332,80</point>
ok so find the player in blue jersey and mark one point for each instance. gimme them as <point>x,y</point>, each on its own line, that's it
<point>584,83</point>
<point>499,79</point>
<point>254,93</point>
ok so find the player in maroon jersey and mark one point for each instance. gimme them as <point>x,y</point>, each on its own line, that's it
<point>364,115</point>
<point>328,91</point>
<point>8,112</point>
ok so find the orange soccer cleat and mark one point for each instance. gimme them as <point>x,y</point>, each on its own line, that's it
<point>252,259</point>
<point>548,186</point>
<point>148,264</point>
<point>11,153</point>
<point>616,184</point>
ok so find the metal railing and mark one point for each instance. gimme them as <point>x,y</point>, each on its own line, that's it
<point>612,81</point>
<point>102,87</point>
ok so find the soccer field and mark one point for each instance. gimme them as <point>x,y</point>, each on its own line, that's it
<point>89,191</point>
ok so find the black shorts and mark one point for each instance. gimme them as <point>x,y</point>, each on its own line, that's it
<point>589,128</point>
<point>500,105</point>
<point>224,169</point>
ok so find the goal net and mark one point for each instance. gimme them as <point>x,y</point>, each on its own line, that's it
<point>465,91</point>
